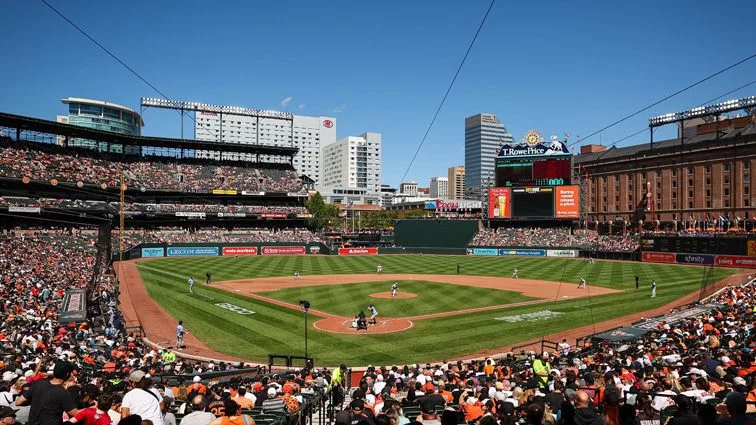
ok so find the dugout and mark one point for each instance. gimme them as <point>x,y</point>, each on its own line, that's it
<point>435,233</point>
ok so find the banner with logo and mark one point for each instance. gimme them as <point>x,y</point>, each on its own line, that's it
<point>228,214</point>
<point>224,192</point>
<point>699,259</point>
<point>282,250</point>
<point>567,205</point>
<point>499,202</point>
<point>752,247</point>
<point>190,214</point>
<point>485,251</point>
<point>523,252</point>
<point>153,252</point>
<point>239,250</point>
<point>272,215</point>
<point>658,257</point>
<point>562,253</point>
<point>314,249</point>
<point>736,261</point>
<point>24,209</point>
<point>358,251</point>
<point>192,251</point>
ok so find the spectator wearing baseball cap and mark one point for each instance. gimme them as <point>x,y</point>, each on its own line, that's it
<point>274,403</point>
<point>49,398</point>
<point>7,415</point>
<point>354,415</point>
<point>142,400</point>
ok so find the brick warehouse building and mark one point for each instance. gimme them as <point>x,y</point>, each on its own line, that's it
<point>709,172</point>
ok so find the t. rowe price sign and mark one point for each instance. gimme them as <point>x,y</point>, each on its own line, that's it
<point>736,261</point>
<point>282,250</point>
<point>658,257</point>
<point>358,251</point>
<point>239,250</point>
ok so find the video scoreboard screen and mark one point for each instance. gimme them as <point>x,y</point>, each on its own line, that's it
<point>533,171</point>
<point>533,203</point>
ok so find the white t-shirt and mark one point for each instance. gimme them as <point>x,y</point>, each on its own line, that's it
<point>660,402</point>
<point>141,403</point>
<point>115,417</point>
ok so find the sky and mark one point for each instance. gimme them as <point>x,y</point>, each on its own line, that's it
<point>383,66</point>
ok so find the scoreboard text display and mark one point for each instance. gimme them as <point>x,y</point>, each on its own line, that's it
<point>534,203</point>
<point>534,171</point>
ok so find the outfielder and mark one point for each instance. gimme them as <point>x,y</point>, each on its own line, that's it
<point>379,269</point>
<point>373,314</point>
<point>582,283</point>
<point>590,259</point>
<point>653,289</point>
<point>515,274</point>
<point>191,284</point>
<point>394,288</point>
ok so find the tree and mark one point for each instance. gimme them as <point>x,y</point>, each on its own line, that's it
<point>323,214</point>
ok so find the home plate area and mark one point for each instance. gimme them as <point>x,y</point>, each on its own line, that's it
<point>342,325</point>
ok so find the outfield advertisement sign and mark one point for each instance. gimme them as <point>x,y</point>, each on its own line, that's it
<point>699,259</point>
<point>358,251</point>
<point>153,252</point>
<point>523,252</point>
<point>192,251</point>
<point>736,261</point>
<point>282,250</point>
<point>239,250</point>
<point>658,257</point>
<point>485,251</point>
<point>562,253</point>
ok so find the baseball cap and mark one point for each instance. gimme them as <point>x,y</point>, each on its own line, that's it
<point>196,379</point>
<point>357,405</point>
<point>545,354</point>
<point>7,412</point>
<point>287,389</point>
<point>428,406</point>
<point>136,376</point>
<point>272,391</point>
<point>9,376</point>
<point>62,369</point>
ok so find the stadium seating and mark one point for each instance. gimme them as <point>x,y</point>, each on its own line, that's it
<point>558,237</point>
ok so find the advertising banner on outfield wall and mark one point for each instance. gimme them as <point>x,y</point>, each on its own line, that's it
<point>658,257</point>
<point>239,250</point>
<point>24,209</point>
<point>153,252</point>
<point>190,214</point>
<point>358,251</point>
<point>282,250</point>
<point>736,261</point>
<point>523,252</point>
<point>562,253</point>
<point>485,251</point>
<point>700,259</point>
<point>192,251</point>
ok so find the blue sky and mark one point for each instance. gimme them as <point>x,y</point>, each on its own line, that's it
<point>560,67</point>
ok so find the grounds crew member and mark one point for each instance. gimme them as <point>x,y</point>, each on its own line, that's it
<point>541,368</point>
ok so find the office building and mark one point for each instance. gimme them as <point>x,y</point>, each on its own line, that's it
<point>439,187</point>
<point>456,182</point>
<point>307,133</point>
<point>99,115</point>
<point>484,135</point>
<point>408,188</point>
<point>387,195</point>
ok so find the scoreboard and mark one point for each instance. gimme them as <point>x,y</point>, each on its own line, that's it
<point>549,170</point>
<point>533,203</point>
<point>695,244</point>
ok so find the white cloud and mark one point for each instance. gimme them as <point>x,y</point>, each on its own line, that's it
<point>302,106</point>
<point>285,102</point>
<point>339,108</point>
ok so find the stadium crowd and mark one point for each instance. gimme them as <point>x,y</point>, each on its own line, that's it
<point>169,235</point>
<point>555,237</point>
<point>157,174</point>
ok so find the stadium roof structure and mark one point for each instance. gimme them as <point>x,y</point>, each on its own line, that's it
<point>22,124</point>
<point>644,149</point>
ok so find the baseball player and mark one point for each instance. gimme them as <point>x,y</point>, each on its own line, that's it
<point>208,278</point>
<point>653,289</point>
<point>297,275</point>
<point>590,259</point>
<point>373,314</point>
<point>394,288</point>
<point>379,269</point>
<point>191,284</point>
<point>515,274</point>
<point>582,283</point>
<point>180,331</point>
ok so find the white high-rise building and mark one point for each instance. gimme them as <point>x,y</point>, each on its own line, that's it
<point>439,187</point>
<point>484,135</point>
<point>304,132</point>
<point>353,162</point>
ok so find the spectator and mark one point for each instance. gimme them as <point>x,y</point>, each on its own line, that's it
<point>198,415</point>
<point>50,398</point>
<point>141,399</point>
<point>585,412</point>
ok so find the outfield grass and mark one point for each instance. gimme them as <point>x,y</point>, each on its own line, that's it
<point>432,297</point>
<point>276,329</point>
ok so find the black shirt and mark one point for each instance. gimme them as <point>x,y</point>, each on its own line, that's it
<point>48,402</point>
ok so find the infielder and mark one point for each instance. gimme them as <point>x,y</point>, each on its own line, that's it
<point>296,275</point>
<point>379,269</point>
<point>191,284</point>
<point>180,331</point>
<point>515,274</point>
<point>394,288</point>
<point>653,289</point>
<point>582,283</point>
<point>373,314</point>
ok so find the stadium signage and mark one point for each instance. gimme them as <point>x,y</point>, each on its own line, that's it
<point>314,249</point>
<point>567,202</point>
<point>306,215</point>
<point>485,251</point>
<point>74,306</point>
<point>499,202</point>
<point>562,253</point>
<point>227,214</point>
<point>272,215</point>
<point>192,251</point>
<point>24,209</point>
<point>358,251</point>
<point>235,308</point>
<point>244,192</point>
<point>190,214</point>
<point>701,259</point>
<point>153,252</point>
<point>282,250</point>
<point>530,317</point>
<point>224,192</point>
<point>736,261</point>
<point>523,252</point>
<point>539,148</point>
<point>658,257</point>
<point>239,250</point>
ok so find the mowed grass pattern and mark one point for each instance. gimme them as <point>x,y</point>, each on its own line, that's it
<point>432,297</point>
<point>276,329</point>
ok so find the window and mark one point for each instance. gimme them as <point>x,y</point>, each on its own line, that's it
<point>690,194</point>
<point>658,185</point>
<point>674,172</point>
<point>708,204</point>
<point>727,203</point>
<point>726,180</point>
<point>746,202</point>
<point>727,191</point>
<point>690,182</point>
<point>674,205</point>
<point>690,204</point>
<point>690,171</point>
<point>707,169</point>
<point>726,167</point>
<point>708,181</point>
<point>658,196</point>
<point>708,193</point>
<point>674,195</point>
<point>674,184</point>
<point>746,190</point>
<point>746,165</point>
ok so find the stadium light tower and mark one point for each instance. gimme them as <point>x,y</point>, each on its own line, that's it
<point>305,309</point>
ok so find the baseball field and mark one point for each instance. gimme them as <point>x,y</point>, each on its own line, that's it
<point>251,308</point>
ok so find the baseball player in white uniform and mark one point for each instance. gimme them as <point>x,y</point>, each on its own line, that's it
<point>515,274</point>
<point>582,283</point>
<point>373,314</point>
<point>394,288</point>
<point>191,284</point>
<point>379,269</point>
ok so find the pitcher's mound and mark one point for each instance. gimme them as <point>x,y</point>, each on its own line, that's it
<point>341,325</point>
<point>401,295</point>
